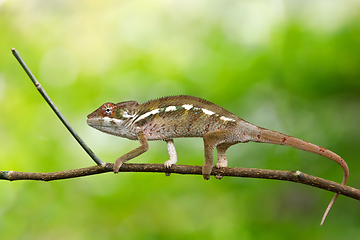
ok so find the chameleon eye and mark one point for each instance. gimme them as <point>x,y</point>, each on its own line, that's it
<point>107,109</point>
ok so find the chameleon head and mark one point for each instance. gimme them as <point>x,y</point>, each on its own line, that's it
<point>113,118</point>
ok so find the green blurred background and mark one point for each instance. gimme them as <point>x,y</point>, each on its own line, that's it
<point>291,66</point>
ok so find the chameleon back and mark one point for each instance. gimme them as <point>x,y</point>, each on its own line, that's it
<point>182,116</point>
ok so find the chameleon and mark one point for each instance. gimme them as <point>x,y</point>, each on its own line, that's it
<point>185,116</point>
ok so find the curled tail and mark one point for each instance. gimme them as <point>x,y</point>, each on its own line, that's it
<point>268,136</point>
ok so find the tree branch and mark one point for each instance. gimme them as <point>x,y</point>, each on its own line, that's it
<point>292,176</point>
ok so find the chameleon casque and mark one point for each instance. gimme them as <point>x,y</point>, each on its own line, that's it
<point>186,116</point>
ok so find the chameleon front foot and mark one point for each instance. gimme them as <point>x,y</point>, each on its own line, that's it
<point>172,155</point>
<point>168,165</point>
<point>117,165</point>
<point>116,170</point>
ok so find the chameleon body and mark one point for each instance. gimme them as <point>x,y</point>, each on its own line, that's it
<point>186,116</point>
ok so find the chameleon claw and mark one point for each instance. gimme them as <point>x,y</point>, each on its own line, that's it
<point>206,177</point>
<point>218,176</point>
<point>206,171</point>
<point>168,163</point>
<point>219,165</point>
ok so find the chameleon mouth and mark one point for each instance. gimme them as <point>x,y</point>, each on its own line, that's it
<point>103,124</point>
<point>99,124</point>
<point>92,122</point>
<point>110,126</point>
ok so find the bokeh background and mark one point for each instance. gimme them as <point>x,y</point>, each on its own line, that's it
<point>291,66</point>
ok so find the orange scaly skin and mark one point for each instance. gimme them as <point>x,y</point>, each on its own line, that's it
<point>186,116</point>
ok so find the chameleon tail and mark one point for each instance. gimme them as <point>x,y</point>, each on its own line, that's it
<point>268,136</point>
<point>328,208</point>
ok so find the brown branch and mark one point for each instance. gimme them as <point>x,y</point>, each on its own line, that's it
<point>292,176</point>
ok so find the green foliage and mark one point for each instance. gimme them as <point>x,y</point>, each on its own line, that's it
<point>287,66</point>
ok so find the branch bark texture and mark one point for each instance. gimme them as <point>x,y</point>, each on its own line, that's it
<point>292,176</point>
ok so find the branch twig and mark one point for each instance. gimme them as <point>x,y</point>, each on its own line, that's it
<point>55,109</point>
<point>292,176</point>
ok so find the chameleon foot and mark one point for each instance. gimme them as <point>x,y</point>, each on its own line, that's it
<point>168,165</point>
<point>220,165</point>
<point>218,176</point>
<point>117,166</point>
<point>206,177</point>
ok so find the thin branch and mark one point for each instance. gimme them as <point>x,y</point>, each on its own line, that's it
<point>55,109</point>
<point>292,176</point>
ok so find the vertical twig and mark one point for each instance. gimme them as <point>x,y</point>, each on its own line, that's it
<point>55,109</point>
